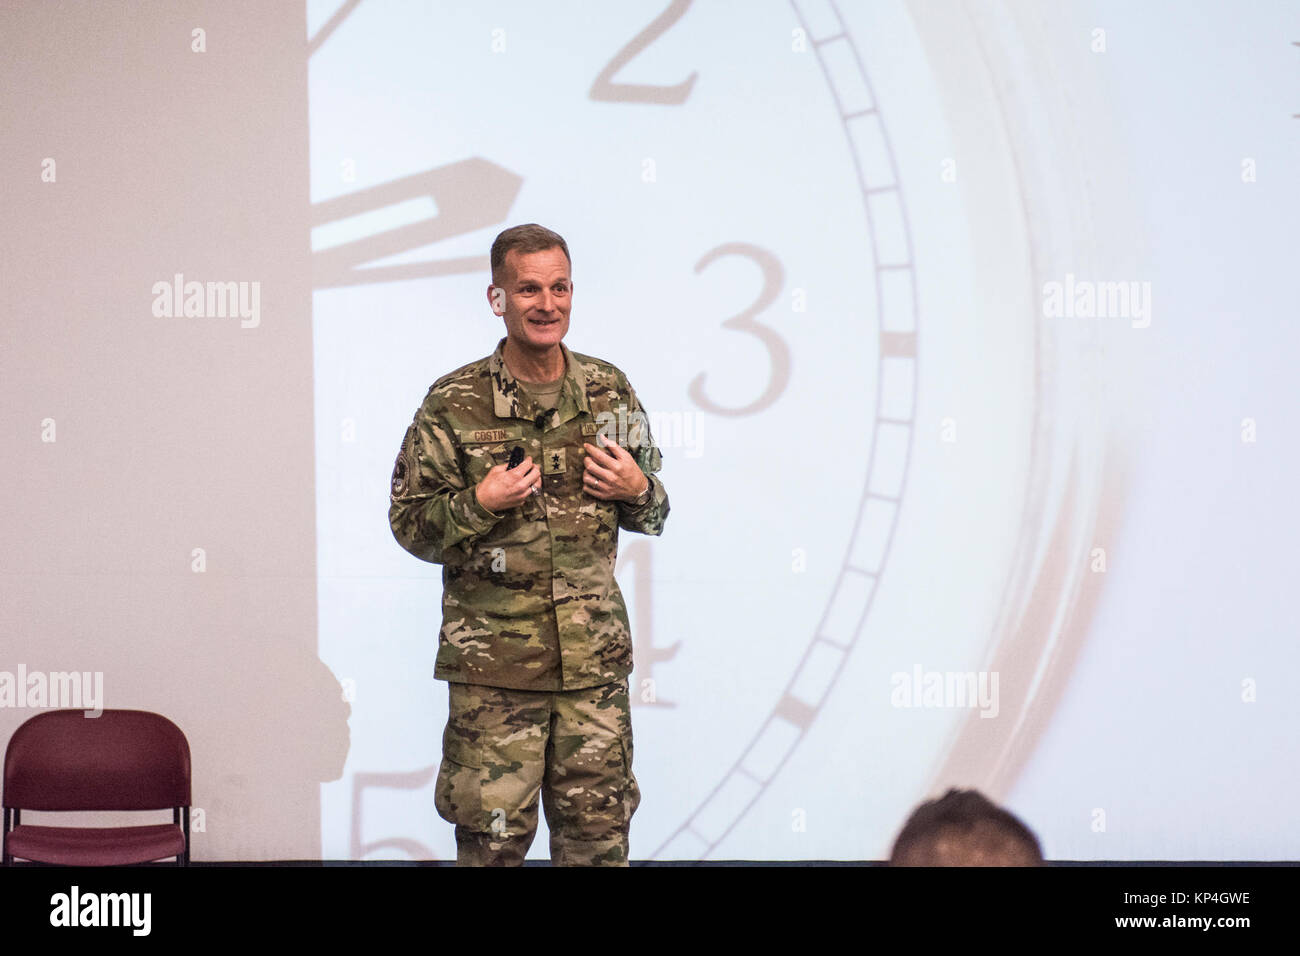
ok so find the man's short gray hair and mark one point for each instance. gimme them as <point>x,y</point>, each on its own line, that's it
<point>529,237</point>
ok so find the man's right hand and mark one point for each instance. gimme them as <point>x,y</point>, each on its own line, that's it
<point>503,488</point>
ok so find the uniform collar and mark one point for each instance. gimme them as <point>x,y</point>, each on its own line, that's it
<point>510,401</point>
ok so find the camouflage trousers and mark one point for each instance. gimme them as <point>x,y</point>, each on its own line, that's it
<point>502,747</point>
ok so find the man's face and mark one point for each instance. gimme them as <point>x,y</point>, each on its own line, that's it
<point>536,294</point>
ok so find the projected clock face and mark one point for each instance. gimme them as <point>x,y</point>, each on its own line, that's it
<point>744,249</point>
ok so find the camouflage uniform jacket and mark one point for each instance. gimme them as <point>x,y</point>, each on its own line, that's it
<point>529,599</point>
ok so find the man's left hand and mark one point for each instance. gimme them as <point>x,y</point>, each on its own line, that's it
<point>612,474</point>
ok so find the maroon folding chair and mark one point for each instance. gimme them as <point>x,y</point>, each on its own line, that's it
<point>121,760</point>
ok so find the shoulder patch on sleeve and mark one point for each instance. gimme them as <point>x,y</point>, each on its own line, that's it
<point>404,467</point>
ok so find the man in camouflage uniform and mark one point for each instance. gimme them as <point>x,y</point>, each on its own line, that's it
<point>535,640</point>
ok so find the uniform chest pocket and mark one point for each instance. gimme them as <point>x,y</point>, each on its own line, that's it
<point>480,457</point>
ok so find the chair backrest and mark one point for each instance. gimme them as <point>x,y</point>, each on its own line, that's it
<point>120,760</point>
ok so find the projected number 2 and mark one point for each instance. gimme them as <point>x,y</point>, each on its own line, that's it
<point>604,89</point>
